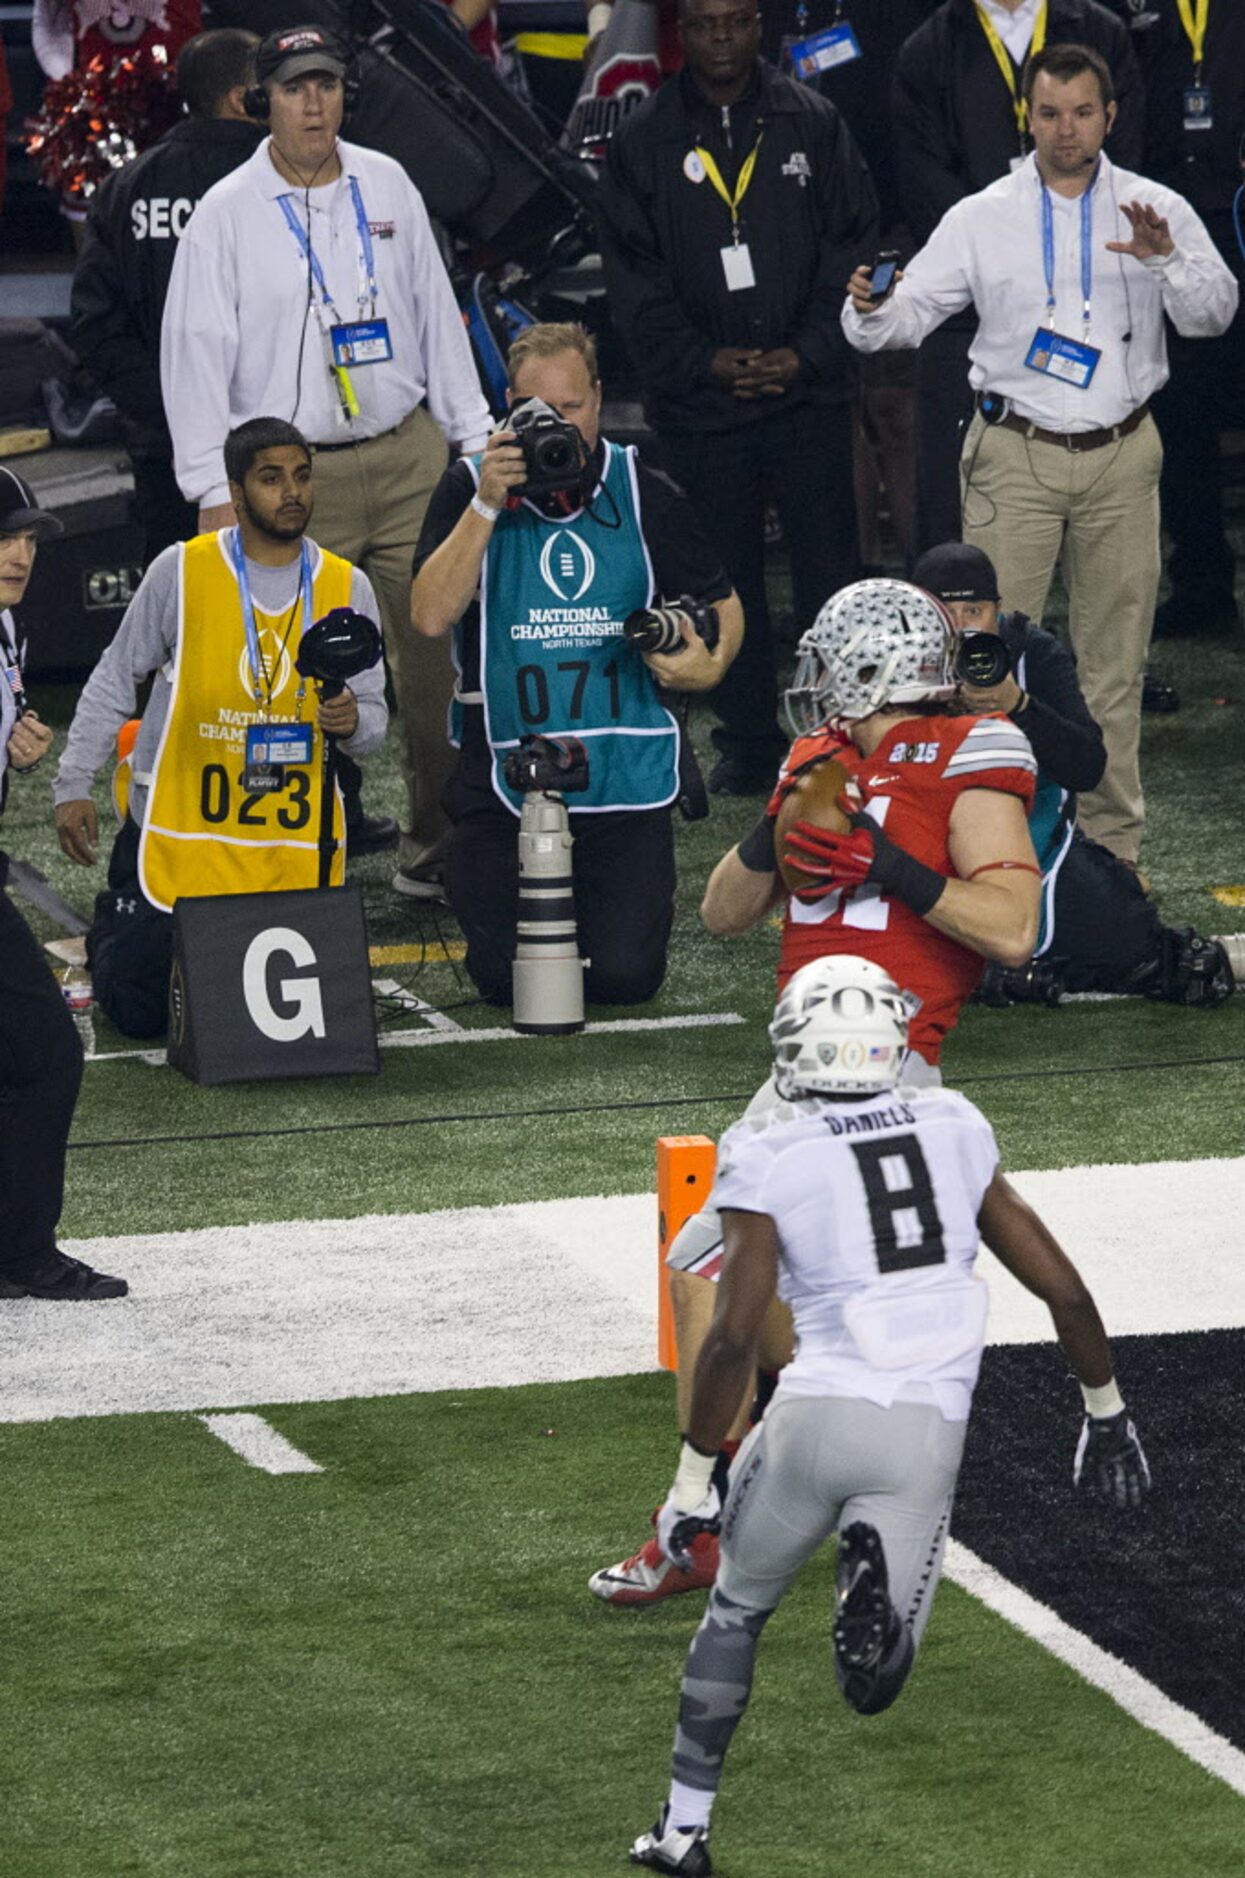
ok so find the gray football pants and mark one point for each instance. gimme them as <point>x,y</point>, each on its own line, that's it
<point>813,1466</point>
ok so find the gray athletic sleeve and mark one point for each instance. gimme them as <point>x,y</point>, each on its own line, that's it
<point>144,641</point>
<point>368,687</point>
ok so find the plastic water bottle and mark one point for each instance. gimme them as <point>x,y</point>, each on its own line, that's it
<point>77,992</point>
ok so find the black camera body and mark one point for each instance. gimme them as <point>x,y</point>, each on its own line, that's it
<point>981,659</point>
<point>553,450</point>
<point>660,628</point>
<point>542,765</point>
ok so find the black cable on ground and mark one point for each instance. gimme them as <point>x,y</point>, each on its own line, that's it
<point>613,1108</point>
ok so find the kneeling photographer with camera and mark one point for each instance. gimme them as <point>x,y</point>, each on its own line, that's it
<point>1098,930</point>
<point>538,553</point>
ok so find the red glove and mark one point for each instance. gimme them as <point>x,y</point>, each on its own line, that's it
<point>832,860</point>
<point>867,854</point>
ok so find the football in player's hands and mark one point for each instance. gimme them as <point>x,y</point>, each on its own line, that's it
<point>813,797</point>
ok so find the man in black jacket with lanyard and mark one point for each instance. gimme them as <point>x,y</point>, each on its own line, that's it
<point>1098,931</point>
<point>1192,58</point>
<point>122,277</point>
<point>731,207</point>
<point>40,1055</point>
<point>960,123</point>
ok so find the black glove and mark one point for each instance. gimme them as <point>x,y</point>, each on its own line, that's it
<point>1110,1463</point>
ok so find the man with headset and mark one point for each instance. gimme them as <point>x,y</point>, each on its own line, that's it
<point>308,284</point>
<point>1072,265</point>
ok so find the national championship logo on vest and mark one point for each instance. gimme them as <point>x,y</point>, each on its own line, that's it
<point>553,659</point>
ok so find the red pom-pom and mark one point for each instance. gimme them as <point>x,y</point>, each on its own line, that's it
<point>93,121</point>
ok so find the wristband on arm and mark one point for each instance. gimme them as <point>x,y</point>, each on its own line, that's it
<point>756,850</point>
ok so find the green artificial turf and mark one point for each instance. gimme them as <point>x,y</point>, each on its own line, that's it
<point>394,1668</point>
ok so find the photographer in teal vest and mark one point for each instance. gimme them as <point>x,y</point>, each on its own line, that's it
<point>536,566</point>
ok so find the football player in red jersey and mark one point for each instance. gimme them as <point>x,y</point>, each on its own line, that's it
<point>936,875</point>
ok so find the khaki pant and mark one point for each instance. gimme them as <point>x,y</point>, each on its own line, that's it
<point>1029,505</point>
<point>370,504</point>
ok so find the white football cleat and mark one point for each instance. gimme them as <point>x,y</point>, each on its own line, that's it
<point>674,1849</point>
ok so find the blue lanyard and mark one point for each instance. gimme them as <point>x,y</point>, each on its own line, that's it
<point>367,254</point>
<point>1087,248</point>
<point>258,674</point>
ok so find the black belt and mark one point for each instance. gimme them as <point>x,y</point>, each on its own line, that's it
<point>355,443</point>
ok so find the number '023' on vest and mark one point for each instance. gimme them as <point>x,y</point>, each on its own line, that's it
<point>202,833</point>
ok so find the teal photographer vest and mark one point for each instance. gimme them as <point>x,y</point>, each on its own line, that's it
<point>554,593</point>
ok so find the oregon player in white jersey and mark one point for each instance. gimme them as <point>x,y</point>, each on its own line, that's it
<point>860,1203</point>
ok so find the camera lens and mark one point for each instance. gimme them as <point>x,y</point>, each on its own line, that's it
<point>981,659</point>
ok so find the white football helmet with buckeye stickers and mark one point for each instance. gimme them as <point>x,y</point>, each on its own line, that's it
<point>875,643</point>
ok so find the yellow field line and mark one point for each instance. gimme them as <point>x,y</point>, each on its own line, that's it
<point>416,954</point>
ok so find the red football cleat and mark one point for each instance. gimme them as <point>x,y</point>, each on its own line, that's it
<point>648,1576</point>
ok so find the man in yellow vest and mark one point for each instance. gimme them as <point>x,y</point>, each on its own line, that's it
<point>226,779</point>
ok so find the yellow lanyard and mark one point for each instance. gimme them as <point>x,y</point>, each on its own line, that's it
<point>1195,27</point>
<point>1004,63</point>
<point>741,183</point>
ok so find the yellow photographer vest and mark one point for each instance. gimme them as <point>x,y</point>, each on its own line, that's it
<point>203,833</point>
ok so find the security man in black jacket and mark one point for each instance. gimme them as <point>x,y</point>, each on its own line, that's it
<point>122,275</point>
<point>959,124</point>
<point>731,209</point>
<point>1192,59</point>
<point>40,1055</point>
<point>1098,930</point>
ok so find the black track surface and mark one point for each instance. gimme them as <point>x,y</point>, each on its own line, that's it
<point>1163,1588</point>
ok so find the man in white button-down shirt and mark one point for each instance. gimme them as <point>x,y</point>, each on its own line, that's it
<point>1071,265</point>
<point>308,285</point>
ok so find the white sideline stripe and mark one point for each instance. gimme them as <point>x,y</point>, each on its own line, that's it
<point>1129,1691</point>
<point>552,1291</point>
<point>258,1442</point>
<point>454,1033</point>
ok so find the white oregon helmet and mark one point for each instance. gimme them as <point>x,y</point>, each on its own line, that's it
<point>874,643</point>
<point>840,1028</point>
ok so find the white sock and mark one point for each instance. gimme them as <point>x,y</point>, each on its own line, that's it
<point>689,1806</point>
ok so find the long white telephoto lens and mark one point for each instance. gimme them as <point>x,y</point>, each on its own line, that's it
<point>548,971</point>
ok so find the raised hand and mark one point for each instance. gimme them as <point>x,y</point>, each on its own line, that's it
<point>1151,236</point>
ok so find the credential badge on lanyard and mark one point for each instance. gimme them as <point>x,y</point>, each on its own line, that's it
<point>269,745</point>
<point>1071,361</point>
<point>364,341</point>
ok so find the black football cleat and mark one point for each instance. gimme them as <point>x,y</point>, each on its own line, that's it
<point>54,1276</point>
<point>871,1663</point>
<point>674,1849</point>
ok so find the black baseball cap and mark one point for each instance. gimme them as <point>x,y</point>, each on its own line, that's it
<point>296,50</point>
<point>19,508</point>
<point>956,571</point>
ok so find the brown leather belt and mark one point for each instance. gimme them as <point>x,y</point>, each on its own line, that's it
<point>1074,439</point>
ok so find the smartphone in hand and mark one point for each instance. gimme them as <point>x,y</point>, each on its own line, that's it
<point>882,275</point>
